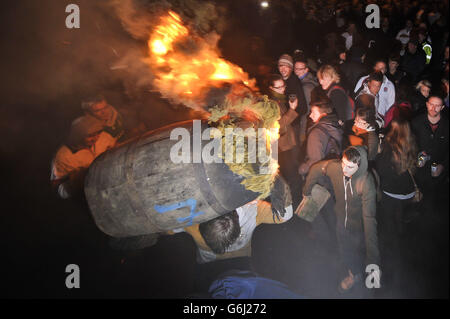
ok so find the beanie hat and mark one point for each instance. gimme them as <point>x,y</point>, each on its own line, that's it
<point>286,59</point>
<point>81,128</point>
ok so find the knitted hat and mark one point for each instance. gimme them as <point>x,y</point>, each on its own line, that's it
<point>287,60</point>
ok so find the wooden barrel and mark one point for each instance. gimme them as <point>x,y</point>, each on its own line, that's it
<point>136,188</point>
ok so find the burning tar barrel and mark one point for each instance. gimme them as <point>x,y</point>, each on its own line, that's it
<point>138,189</point>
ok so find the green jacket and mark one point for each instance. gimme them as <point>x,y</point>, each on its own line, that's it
<point>355,205</point>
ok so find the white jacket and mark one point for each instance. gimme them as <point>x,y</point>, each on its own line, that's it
<point>386,95</point>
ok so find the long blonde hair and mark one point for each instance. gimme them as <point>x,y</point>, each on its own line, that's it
<point>403,144</point>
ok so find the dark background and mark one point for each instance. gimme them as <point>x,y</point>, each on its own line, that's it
<point>46,71</point>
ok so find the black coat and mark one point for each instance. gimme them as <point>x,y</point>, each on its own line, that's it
<point>434,144</point>
<point>391,181</point>
<point>294,86</point>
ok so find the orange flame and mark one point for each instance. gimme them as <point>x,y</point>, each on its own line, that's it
<point>186,66</point>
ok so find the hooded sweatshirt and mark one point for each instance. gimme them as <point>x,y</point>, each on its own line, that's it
<point>355,201</point>
<point>323,136</point>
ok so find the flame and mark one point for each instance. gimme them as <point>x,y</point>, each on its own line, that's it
<point>187,66</point>
<point>272,134</point>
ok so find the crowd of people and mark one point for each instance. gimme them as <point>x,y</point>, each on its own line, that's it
<point>377,137</point>
<point>364,115</point>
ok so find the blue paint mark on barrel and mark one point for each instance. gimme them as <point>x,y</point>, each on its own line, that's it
<point>191,202</point>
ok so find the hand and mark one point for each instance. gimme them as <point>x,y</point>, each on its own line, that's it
<point>439,170</point>
<point>280,197</point>
<point>303,169</point>
<point>293,104</point>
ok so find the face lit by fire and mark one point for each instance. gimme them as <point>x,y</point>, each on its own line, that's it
<point>374,87</point>
<point>285,70</point>
<point>380,67</point>
<point>101,111</point>
<point>348,168</point>
<point>325,81</point>
<point>315,114</point>
<point>424,90</point>
<point>434,106</point>
<point>278,86</point>
<point>300,69</point>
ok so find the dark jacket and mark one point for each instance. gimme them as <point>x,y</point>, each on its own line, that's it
<point>418,103</point>
<point>294,86</point>
<point>391,181</point>
<point>396,77</point>
<point>414,64</point>
<point>353,71</point>
<point>340,102</point>
<point>309,82</point>
<point>434,144</point>
<point>324,137</point>
<point>355,205</point>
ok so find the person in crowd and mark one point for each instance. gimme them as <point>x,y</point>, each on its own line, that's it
<point>403,34</point>
<point>402,109</point>
<point>386,93</point>
<point>335,46</point>
<point>226,240</point>
<point>414,60</point>
<point>353,68</point>
<point>363,131</point>
<point>309,82</point>
<point>86,141</point>
<point>425,44</point>
<point>293,84</point>
<point>324,138</point>
<point>293,87</point>
<point>287,142</point>
<point>432,136</point>
<point>368,95</point>
<point>419,99</point>
<point>355,208</point>
<point>396,165</point>
<point>99,108</point>
<point>351,36</point>
<point>340,101</point>
<point>394,74</point>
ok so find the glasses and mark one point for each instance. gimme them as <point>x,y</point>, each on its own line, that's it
<point>434,105</point>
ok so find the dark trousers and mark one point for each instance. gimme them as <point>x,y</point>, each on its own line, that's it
<point>288,163</point>
<point>351,250</point>
<point>391,228</point>
<point>324,225</point>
